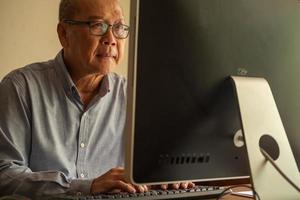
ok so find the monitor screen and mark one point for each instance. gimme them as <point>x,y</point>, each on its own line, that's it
<point>182,120</point>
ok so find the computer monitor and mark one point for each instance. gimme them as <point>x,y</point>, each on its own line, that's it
<point>182,119</point>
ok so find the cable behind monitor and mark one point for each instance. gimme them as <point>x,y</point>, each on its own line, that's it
<point>270,159</point>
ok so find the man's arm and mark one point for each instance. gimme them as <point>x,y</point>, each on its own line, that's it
<point>15,148</point>
<point>16,177</point>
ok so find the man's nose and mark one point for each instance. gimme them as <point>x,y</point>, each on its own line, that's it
<point>109,38</point>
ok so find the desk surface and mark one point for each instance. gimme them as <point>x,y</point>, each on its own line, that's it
<point>235,197</point>
<point>245,181</point>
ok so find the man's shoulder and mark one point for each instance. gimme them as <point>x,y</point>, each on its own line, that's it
<point>31,72</point>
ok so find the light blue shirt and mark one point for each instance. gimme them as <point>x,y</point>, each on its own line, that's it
<point>49,143</point>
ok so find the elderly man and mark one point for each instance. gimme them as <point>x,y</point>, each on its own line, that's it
<point>62,121</point>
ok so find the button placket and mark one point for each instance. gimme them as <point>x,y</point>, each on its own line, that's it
<point>81,171</point>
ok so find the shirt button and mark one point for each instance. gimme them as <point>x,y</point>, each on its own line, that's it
<point>82,175</point>
<point>78,193</point>
<point>82,145</point>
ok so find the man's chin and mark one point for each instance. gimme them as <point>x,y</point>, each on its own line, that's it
<point>104,69</point>
<point>107,59</point>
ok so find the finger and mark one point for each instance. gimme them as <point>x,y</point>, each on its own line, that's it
<point>191,185</point>
<point>133,186</point>
<point>175,186</point>
<point>139,188</point>
<point>183,185</point>
<point>123,186</point>
<point>100,186</point>
<point>145,188</point>
<point>164,186</point>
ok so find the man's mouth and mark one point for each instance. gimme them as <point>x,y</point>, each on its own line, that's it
<point>107,55</point>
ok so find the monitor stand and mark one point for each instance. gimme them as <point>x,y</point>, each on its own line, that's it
<point>262,126</point>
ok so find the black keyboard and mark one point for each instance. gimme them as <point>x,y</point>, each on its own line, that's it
<point>198,192</point>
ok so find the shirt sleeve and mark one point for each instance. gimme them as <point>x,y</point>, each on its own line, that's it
<point>16,177</point>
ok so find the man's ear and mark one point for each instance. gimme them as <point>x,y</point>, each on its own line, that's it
<point>62,35</point>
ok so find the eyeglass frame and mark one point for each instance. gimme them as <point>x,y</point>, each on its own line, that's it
<point>91,23</point>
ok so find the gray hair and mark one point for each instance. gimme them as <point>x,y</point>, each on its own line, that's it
<point>67,9</point>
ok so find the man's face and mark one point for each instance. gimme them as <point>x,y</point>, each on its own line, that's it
<point>89,53</point>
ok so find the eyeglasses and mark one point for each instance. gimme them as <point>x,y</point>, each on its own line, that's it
<point>100,28</point>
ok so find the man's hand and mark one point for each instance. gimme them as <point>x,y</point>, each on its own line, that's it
<point>174,186</point>
<point>113,181</point>
<point>183,185</point>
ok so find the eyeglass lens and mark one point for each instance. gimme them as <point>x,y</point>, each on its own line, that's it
<point>100,28</point>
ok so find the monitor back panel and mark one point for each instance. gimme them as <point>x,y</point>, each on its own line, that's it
<point>185,110</point>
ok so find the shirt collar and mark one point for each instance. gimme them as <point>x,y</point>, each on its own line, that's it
<point>63,73</point>
<point>104,87</point>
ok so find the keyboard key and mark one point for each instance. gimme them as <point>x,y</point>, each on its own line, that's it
<point>200,192</point>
